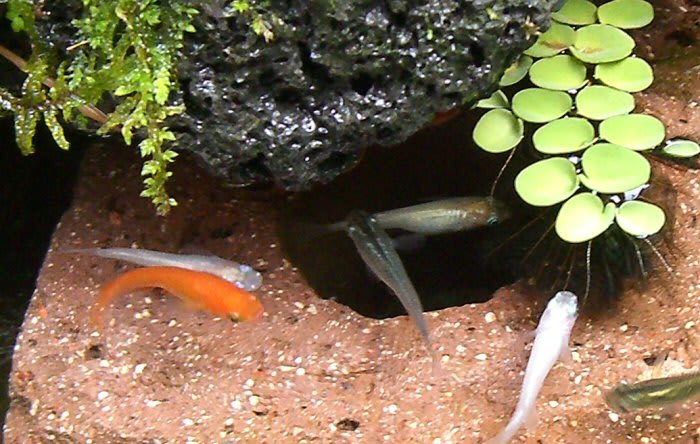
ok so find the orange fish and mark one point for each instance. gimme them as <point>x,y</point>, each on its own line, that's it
<point>200,290</point>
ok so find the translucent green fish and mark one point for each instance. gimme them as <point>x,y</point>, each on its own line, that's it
<point>376,249</point>
<point>441,216</point>
<point>654,392</point>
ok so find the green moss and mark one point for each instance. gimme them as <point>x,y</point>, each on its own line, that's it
<point>128,50</point>
<point>261,20</point>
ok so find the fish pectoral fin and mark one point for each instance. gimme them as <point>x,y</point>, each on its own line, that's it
<point>565,354</point>
<point>532,419</point>
<point>191,305</point>
<point>409,242</point>
<point>657,368</point>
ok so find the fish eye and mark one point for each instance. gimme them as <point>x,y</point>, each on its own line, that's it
<point>234,318</point>
<point>492,220</point>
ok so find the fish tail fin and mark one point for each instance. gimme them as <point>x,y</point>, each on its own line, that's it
<point>96,320</point>
<point>78,251</point>
<point>503,437</point>
<point>313,230</point>
<point>507,434</point>
<point>436,369</point>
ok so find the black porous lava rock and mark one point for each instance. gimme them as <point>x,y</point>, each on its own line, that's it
<point>339,76</point>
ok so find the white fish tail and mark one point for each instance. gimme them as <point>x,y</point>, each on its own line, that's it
<point>519,418</point>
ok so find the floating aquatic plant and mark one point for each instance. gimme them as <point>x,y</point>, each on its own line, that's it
<point>547,182</point>
<point>586,118</point>
<point>498,131</point>
<point>681,148</point>
<point>598,102</point>
<point>585,173</point>
<point>562,136</point>
<point>584,217</point>
<point>634,131</point>
<point>613,169</point>
<point>539,105</point>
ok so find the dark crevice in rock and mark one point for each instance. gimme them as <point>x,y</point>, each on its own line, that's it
<point>447,270</point>
<point>34,192</point>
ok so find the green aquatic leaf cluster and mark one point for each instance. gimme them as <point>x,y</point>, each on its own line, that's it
<point>581,73</point>
<point>35,104</point>
<point>126,49</point>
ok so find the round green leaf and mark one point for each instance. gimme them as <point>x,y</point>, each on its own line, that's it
<point>547,182</point>
<point>497,100</point>
<point>561,72</point>
<point>557,38</point>
<point>498,131</point>
<point>600,102</point>
<point>576,12</point>
<point>561,136</point>
<point>681,148</point>
<point>539,105</point>
<point>583,217</point>
<point>631,74</point>
<point>601,44</point>
<point>626,14</point>
<point>516,72</point>
<point>640,219</point>
<point>612,169</point>
<point>635,131</point>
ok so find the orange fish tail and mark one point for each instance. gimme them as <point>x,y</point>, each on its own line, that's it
<point>128,282</point>
<point>199,289</point>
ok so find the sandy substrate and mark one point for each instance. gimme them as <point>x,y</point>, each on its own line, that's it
<point>312,370</point>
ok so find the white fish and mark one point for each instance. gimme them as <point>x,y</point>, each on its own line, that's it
<point>243,276</point>
<point>551,343</point>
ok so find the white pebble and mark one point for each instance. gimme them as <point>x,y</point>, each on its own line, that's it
<point>102,395</point>
<point>614,417</point>
<point>187,422</point>
<point>480,357</point>
<point>490,317</point>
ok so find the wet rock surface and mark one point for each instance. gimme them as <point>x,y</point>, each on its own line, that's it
<point>338,77</point>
